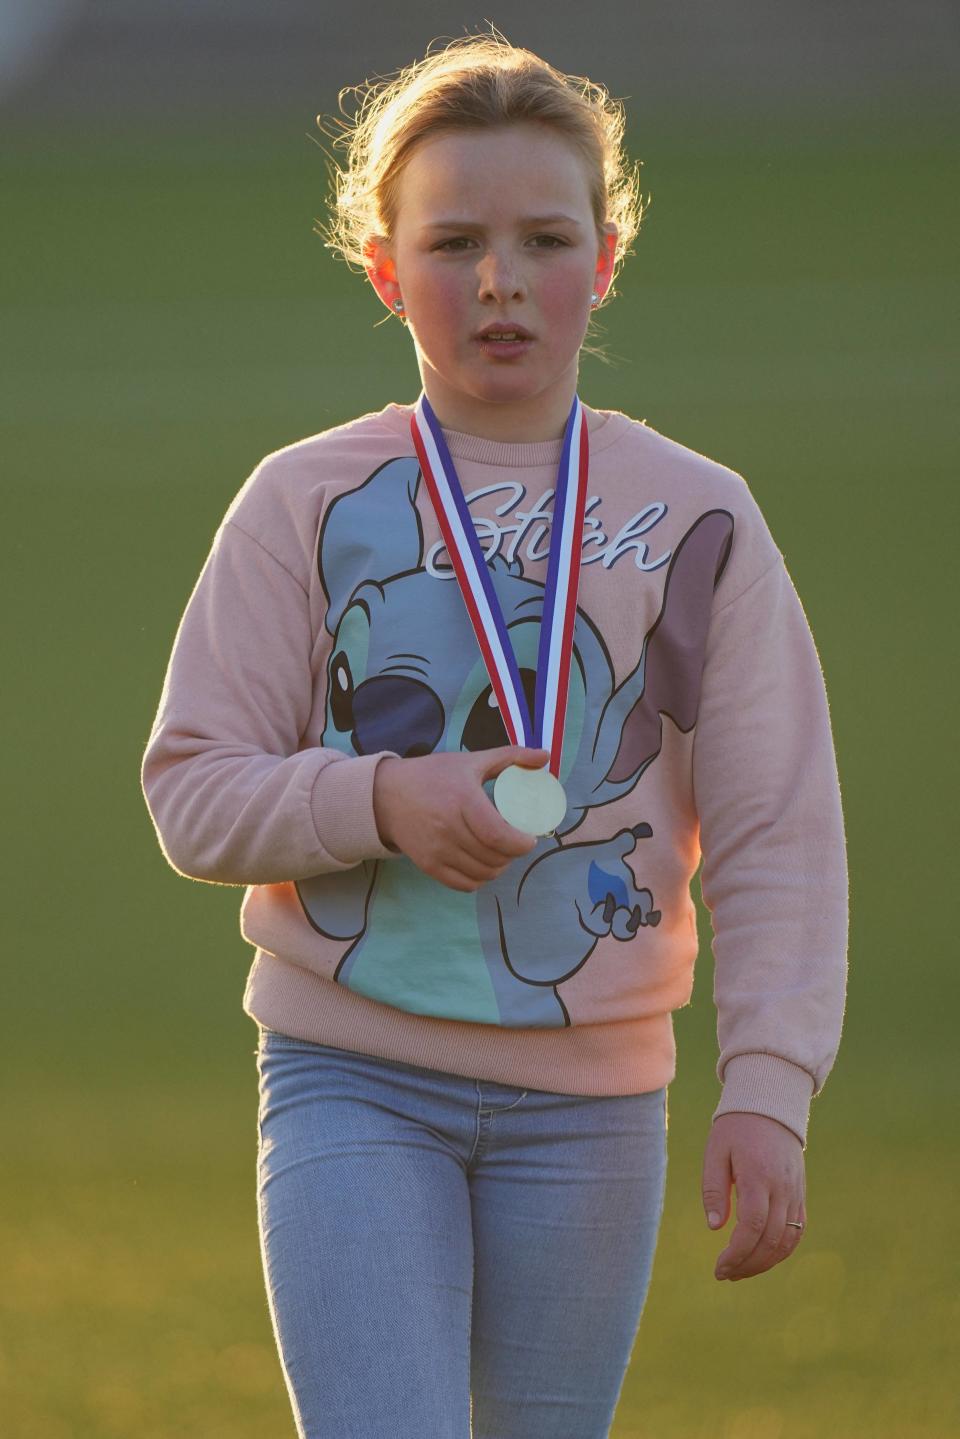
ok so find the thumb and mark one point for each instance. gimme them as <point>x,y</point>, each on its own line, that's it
<point>495,760</point>
<point>715,1189</point>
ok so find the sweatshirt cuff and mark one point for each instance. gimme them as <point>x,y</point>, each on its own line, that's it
<point>767,1084</point>
<point>342,807</point>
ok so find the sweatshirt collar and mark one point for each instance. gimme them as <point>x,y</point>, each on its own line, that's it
<point>528,454</point>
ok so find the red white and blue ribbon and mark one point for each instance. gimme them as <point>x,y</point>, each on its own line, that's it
<point>476,581</point>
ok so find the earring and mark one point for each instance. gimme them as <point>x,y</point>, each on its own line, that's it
<point>594,300</point>
<point>398,306</point>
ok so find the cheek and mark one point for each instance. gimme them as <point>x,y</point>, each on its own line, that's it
<point>561,296</point>
<point>439,297</point>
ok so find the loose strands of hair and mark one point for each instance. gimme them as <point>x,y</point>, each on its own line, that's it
<point>472,82</point>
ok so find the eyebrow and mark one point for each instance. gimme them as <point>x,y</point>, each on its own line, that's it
<point>558,219</point>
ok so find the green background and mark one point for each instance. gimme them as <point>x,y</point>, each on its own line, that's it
<point>170,317</point>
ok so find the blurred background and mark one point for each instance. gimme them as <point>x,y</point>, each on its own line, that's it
<point>169,316</point>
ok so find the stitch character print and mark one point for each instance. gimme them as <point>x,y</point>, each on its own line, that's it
<point>430,691</point>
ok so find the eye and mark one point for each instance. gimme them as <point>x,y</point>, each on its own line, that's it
<point>484,727</point>
<point>458,242</point>
<point>553,242</point>
<point>341,693</point>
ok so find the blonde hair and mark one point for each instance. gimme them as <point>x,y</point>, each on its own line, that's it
<point>474,82</point>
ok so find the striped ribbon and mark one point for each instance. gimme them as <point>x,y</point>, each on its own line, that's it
<point>476,581</point>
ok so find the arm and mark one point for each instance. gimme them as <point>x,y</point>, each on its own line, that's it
<point>234,797</point>
<point>774,864</point>
<point>775,881</point>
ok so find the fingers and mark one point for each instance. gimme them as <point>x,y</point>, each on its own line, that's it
<point>764,1160</point>
<point>716,1180</point>
<point>762,1237</point>
<point>472,871</point>
<point>758,1231</point>
<point>484,845</point>
<point>486,842</point>
<point>471,863</point>
<point>792,1235</point>
<point>488,837</point>
<point>456,879</point>
<point>448,825</point>
<point>493,761</point>
<point>752,1216</point>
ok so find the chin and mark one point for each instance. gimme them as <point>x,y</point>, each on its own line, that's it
<point>507,388</point>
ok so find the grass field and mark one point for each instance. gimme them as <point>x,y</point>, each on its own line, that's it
<point>168,319</point>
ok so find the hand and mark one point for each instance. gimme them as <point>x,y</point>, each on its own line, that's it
<point>764,1160</point>
<point>434,809</point>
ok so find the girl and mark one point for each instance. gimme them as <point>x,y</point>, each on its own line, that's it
<point>464,689</point>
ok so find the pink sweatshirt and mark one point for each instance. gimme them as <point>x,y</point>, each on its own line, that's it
<point>327,631</point>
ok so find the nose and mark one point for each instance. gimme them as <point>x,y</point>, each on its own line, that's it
<point>499,277</point>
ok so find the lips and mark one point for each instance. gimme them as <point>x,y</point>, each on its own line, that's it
<point>503,340</point>
<point>504,331</point>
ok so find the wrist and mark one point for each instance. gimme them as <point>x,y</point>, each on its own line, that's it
<point>382,800</point>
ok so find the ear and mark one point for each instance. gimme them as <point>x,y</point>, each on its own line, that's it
<point>607,260</point>
<point>381,270</point>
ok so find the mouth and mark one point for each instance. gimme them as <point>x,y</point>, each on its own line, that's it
<point>504,330</point>
<point>504,340</point>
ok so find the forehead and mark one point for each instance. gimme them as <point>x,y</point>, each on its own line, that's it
<point>469,172</point>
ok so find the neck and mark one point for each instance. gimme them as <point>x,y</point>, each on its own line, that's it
<point>541,417</point>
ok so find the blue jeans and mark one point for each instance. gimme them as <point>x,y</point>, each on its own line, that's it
<point>425,1235</point>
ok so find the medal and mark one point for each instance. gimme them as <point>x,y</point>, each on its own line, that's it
<point>530,799</point>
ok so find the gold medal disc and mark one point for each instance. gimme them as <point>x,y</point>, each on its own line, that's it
<point>532,800</point>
